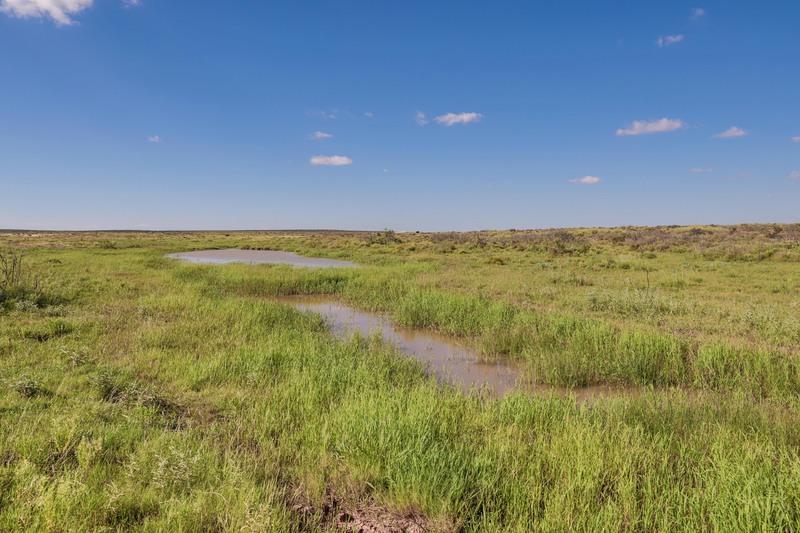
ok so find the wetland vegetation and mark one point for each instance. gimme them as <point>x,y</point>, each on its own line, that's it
<point>141,392</point>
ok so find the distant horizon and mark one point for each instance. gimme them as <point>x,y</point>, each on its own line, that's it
<point>396,230</point>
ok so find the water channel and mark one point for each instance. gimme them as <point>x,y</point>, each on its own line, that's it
<point>444,356</point>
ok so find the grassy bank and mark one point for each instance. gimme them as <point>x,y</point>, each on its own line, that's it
<point>144,393</point>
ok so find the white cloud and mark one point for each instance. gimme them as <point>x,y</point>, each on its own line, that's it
<point>731,133</point>
<point>794,175</point>
<point>369,114</point>
<point>645,127</point>
<point>698,13</point>
<point>796,139</point>
<point>131,3</point>
<point>701,170</point>
<point>451,119</point>
<point>420,118</point>
<point>587,180</point>
<point>331,160</point>
<point>58,10</point>
<point>669,40</point>
<point>320,135</point>
<point>153,139</point>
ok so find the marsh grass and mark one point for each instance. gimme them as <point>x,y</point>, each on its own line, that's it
<point>183,398</point>
<point>561,349</point>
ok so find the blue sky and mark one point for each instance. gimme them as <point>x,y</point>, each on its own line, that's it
<point>411,115</point>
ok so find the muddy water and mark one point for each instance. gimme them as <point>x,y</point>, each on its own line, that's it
<point>446,358</point>
<point>259,256</point>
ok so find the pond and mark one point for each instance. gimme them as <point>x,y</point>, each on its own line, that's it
<point>233,255</point>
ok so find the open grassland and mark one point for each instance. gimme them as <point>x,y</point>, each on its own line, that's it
<point>137,392</point>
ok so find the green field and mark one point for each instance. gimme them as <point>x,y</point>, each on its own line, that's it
<point>139,392</point>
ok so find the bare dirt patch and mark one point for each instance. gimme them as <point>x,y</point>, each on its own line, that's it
<point>367,518</point>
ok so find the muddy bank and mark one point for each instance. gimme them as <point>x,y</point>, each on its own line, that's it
<point>232,255</point>
<point>444,356</point>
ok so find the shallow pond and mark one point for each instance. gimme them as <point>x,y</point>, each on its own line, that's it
<point>233,255</point>
<point>445,357</point>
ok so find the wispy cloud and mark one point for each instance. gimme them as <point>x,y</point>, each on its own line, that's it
<point>131,3</point>
<point>369,114</point>
<point>587,180</point>
<point>320,135</point>
<point>731,133</point>
<point>331,160</point>
<point>646,127</point>
<point>796,139</point>
<point>331,114</point>
<point>451,119</point>
<point>58,10</point>
<point>420,118</point>
<point>153,139</point>
<point>701,170</point>
<point>698,13</point>
<point>794,175</point>
<point>669,40</point>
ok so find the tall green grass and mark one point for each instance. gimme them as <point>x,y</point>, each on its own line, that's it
<point>554,348</point>
<point>177,400</point>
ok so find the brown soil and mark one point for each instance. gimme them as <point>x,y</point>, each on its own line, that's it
<point>337,516</point>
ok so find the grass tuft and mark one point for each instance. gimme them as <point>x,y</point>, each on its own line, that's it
<point>28,387</point>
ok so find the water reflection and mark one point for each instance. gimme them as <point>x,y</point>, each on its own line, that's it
<point>233,255</point>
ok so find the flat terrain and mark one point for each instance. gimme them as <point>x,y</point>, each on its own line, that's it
<point>141,392</point>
